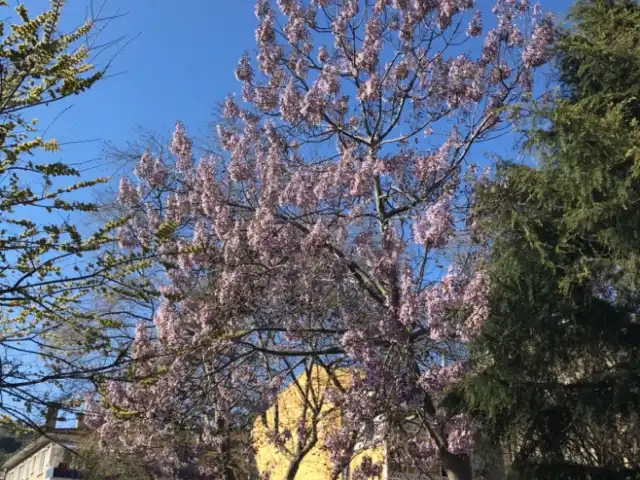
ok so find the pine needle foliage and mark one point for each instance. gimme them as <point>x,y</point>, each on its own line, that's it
<point>559,364</point>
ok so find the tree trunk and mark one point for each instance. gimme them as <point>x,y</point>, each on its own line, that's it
<point>228,473</point>
<point>293,468</point>
<point>458,467</point>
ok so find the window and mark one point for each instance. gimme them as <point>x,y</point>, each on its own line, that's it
<point>43,454</point>
<point>20,477</point>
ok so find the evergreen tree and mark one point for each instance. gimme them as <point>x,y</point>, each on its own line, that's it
<point>559,362</point>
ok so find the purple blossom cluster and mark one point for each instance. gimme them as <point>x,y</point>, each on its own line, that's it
<point>435,379</point>
<point>537,51</point>
<point>433,228</point>
<point>127,194</point>
<point>367,470</point>
<point>461,432</point>
<point>180,147</point>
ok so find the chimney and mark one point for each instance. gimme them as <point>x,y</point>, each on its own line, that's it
<point>51,417</point>
<point>80,425</point>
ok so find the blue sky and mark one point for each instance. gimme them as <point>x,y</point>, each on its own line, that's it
<point>179,62</point>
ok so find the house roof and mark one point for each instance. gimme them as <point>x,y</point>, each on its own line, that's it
<point>62,436</point>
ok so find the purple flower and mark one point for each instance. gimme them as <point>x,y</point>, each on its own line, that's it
<point>313,106</point>
<point>461,432</point>
<point>265,98</point>
<point>323,54</point>
<point>151,170</point>
<point>329,80</point>
<point>367,470</point>
<point>370,90</point>
<point>244,71</point>
<point>288,7</point>
<point>265,33</point>
<point>127,194</point>
<point>537,51</point>
<point>475,25</point>
<point>433,227</point>
<point>290,105</point>
<point>296,28</point>
<point>180,147</point>
<point>231,109</point>
<point>435,379</point>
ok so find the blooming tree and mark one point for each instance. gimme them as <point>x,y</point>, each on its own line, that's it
<point>325,232</point>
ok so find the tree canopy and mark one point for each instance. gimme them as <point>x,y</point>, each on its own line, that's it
<point>324,235</point>
<point>50,269</point>
<point>559,364</point>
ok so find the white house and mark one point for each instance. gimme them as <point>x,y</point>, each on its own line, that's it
<point>47,457</point>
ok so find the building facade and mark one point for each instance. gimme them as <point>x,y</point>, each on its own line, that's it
<point>49,456</point>
<point>289,438</point>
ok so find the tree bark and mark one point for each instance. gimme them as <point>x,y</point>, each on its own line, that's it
<point>293,468</point>
<point>458,467</point>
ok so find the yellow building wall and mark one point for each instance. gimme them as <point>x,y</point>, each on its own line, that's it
<point>290,408</point>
